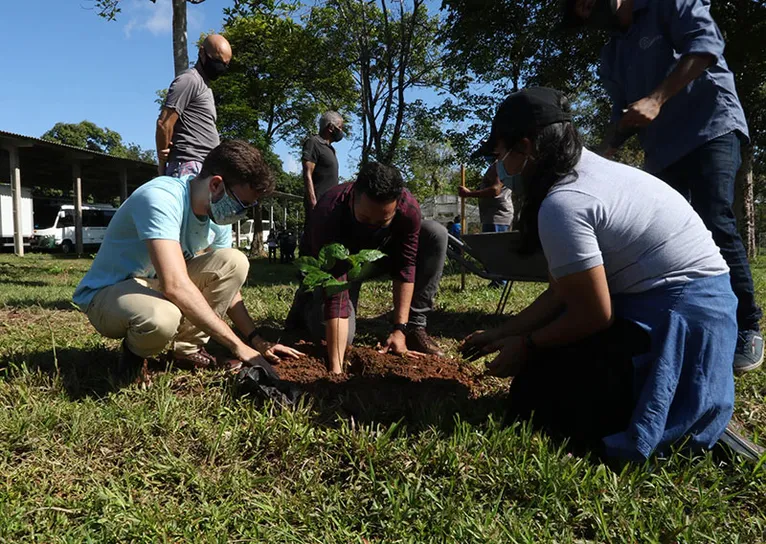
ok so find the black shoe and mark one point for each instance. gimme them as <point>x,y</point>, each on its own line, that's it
<point>133,368</point>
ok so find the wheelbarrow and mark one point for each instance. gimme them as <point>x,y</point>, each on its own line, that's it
<point>495,256</point>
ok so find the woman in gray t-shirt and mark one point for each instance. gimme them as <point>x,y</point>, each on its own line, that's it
<point>630,349</point>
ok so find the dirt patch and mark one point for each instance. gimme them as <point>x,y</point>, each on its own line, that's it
<point>385,388</point>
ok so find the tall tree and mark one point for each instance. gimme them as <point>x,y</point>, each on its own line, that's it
<point>392,50</point>
<point>109,9</point>
<point>281,78</point>
<point>88,135</point>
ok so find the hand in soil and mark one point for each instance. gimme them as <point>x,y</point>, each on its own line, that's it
<point>510,360</point>
<point>397,345</point>
<point>277,353</point>
<point>476,345</point>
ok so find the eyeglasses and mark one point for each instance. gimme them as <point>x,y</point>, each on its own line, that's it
<point>241,204</point>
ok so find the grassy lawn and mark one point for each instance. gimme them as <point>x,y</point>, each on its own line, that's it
<point>183,461</point>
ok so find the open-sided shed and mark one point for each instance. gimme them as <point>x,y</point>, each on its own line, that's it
<point>33,162</point>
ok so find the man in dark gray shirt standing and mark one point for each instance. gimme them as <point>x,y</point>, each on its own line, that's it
<point>320,164</point>
<point>186,128</point>
<point>495,205</point>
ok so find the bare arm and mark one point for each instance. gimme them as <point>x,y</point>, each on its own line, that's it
<point>486,192</point>
<point>336,333</point>
<point>397,342</point>
<point>588,309</point>
<point>168,261</point>
<point>641,113</point>
<point>164,136</point>
<point>308,182</point>
<point>239,315</point>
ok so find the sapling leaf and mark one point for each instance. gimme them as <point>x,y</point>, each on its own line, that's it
<point>307,264</point>
<point>315,278</point>
<point>329,255</point>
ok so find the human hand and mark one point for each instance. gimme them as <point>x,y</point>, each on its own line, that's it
<point>475,344</point>
<point>396,344</point>
<point>278,352</point>
<point>510,360</point>
<point>251,357</point>
<point>640,114</point>
<point>463,192</point>
<point>163,155</point>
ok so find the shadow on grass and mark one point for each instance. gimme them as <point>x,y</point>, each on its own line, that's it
<point>82,373</point>
<point>24,303</point>
<point>264,273</point>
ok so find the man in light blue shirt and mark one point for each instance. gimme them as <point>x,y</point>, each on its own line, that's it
<point>664,70</point>
<point>166,273</point>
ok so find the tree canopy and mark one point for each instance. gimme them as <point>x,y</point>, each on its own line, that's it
<point>88,135</point>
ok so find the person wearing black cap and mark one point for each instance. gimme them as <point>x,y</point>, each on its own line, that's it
<point>664,69</point>
<point>629,350</point>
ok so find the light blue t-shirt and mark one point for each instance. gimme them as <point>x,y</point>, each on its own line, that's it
<point>158,210</point>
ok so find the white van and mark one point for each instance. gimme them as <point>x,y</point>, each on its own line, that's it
<point>57,230</point>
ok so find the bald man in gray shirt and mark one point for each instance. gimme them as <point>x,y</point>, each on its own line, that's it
<point>186,128</point>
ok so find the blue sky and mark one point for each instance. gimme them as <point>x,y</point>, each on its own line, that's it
<point>66,64</point>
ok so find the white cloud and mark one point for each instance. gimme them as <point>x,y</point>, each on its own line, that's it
<point>156,17</point>
<point>292,166</point>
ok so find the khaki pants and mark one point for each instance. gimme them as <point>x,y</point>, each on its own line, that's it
<point>136,310</point>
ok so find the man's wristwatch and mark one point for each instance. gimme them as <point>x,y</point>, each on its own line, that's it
<point>401,327</point>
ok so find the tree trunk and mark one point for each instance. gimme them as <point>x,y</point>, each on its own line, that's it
<point>744,202</point>
<point>180,49</point>
<point>256,249</point>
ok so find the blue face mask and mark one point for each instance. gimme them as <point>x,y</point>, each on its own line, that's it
<point>514,182</point>
<point>227,210</point>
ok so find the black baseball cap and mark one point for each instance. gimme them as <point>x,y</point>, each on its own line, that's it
<point>525,110</point>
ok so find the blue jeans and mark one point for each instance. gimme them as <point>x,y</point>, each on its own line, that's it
<point>492,227</point>
<point>706,178</point>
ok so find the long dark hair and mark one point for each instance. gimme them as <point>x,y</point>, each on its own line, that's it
<point>557,150</point>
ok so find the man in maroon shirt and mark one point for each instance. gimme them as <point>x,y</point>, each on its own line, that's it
<point>375,212</point>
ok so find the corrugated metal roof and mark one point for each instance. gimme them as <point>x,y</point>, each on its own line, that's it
<point>13,135</point>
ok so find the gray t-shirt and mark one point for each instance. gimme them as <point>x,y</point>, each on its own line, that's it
<point>644,232</point>
<point>496,210</point>
<point>325,176</point>
<point>195,133</point>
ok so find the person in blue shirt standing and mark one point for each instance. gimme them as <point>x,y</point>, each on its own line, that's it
<point>669,83</point>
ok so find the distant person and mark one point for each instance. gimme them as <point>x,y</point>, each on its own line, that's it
<point>375,212</point>
<point>320,164</point>
<point>186,128</point>
<point>158,281</point>
<point>272,244</point>
<point>665,72</point>
<point>495,204</point>
<point>287,247</point>
<point>455,227</point>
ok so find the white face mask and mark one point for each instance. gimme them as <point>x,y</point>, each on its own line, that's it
<point>227,210</point>
<point>514,182</point>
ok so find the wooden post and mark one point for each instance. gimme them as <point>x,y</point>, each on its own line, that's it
<point>285,225</point>
<point>77,186</point>
<point>463,223</point>
<point>123,184</point>
<point>18,233</point>
<point>271,216</point>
